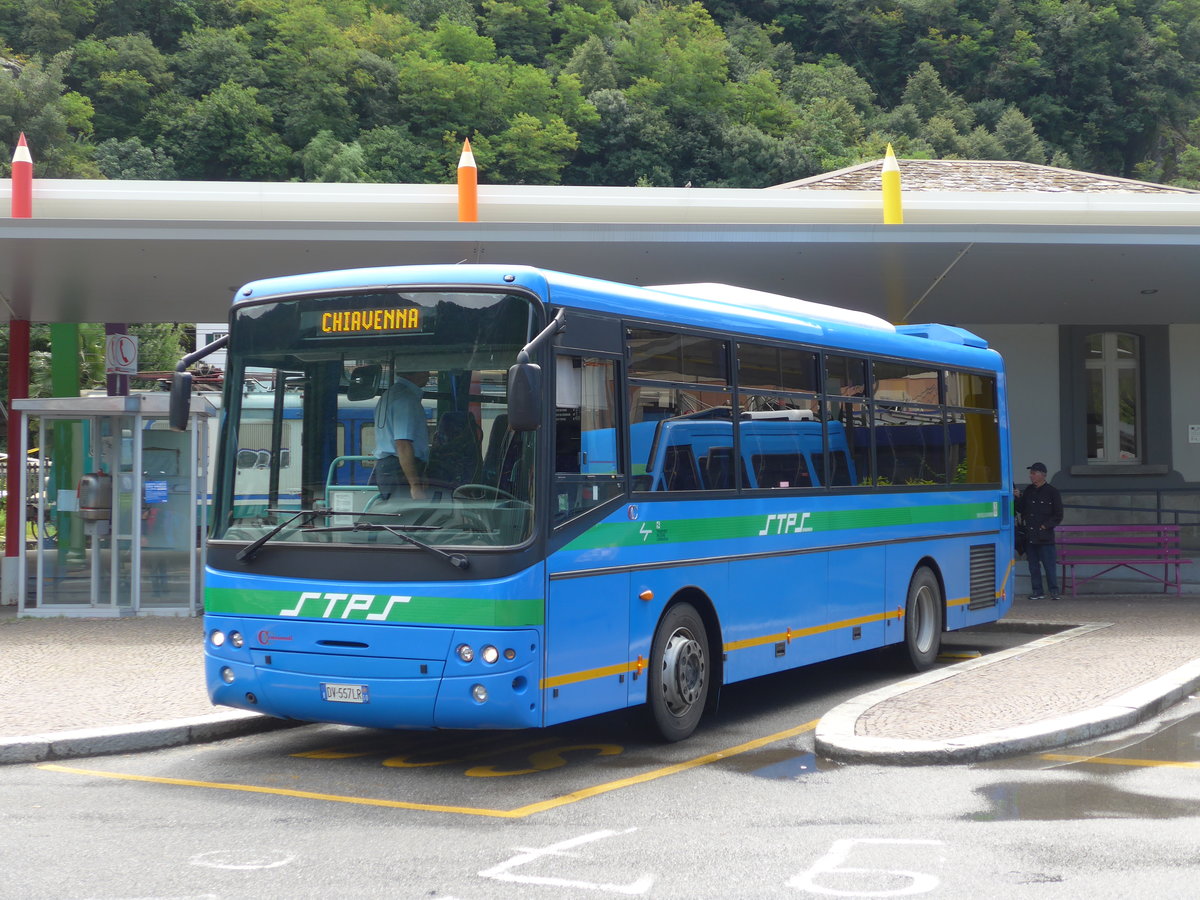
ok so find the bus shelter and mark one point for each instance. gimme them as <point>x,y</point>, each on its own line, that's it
<point>114,509</point>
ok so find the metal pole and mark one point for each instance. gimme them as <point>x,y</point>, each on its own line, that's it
<point>137,490</point>
<point>19,519</point>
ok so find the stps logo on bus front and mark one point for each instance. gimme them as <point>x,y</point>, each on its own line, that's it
<point>331,605</point>
<point>347,606</point>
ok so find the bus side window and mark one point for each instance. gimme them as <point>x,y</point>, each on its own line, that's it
<point>781,470</point>
<point>679,469</point>
<point>841,473</point>
<point>586,462</point>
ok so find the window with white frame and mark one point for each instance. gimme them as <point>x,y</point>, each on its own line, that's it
<point>1113,362</point>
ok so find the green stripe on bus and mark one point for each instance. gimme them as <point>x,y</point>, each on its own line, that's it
<point>676,531</point>
<point>341,606</point>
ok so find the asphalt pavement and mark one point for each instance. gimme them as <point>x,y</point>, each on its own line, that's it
<point>1095,664</point>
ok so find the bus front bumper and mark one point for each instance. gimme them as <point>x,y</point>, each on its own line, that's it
<point>345,685</point>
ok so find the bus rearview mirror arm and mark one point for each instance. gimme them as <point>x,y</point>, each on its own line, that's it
<point>181,385</point>
<point>525,380</point>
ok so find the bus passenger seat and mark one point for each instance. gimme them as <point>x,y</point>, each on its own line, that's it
<point>679,469</point>
<point>717,469</point>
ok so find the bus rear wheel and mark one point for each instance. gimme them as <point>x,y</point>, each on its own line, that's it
<point>677,689</point>
<point>922,620</point>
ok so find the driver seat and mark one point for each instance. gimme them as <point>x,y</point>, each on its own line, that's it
<point>454,455</point>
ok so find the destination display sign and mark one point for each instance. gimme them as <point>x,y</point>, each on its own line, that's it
<point>371,321</point>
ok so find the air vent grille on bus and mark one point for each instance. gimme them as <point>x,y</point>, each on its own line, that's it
<point>983,576</point>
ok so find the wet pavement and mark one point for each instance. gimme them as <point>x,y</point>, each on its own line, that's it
<point>1096,664</point>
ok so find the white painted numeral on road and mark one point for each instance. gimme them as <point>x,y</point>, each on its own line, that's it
<point>502,872</point>
<point>830,866</point>
<point>245,860</point>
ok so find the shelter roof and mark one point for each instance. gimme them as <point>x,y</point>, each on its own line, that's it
<point>144,251</point>
<point>988,176</point>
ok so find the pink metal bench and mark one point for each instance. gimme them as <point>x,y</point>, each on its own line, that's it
<point>1117,546</point>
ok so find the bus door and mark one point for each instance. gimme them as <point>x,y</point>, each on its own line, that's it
<point>587,604</point>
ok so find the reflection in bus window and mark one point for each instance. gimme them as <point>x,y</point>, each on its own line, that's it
<point>586,462</point>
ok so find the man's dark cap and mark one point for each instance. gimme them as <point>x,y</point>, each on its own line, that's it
<point>1038,467</point>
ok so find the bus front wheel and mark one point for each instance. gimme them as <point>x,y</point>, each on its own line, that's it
<point>677,687</point>
<point>922,620</point>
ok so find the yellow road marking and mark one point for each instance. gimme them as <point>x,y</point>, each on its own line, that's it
<point>518,813</point>
<point>1116,761</point>
<point>663,772</point>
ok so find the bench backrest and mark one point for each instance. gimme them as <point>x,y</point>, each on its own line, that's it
<point>1115,538</point>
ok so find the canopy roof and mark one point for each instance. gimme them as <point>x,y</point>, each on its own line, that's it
<point>139,251</point>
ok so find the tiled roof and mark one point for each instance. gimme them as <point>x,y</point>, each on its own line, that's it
<point>977,175</point>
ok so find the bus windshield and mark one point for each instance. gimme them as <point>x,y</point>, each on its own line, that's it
<point>376,419</point>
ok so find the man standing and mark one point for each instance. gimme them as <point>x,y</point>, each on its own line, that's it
<point>1040,505</point>
<point>401,437</point>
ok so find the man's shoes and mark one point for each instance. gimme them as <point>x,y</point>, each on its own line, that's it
<point>1055,597</point>
<point>1037,596</point>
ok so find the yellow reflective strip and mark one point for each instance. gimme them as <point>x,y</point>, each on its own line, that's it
<point>808,632</point>
<point>958,601</point>
<point>1004,582</point>
<point>1116,761</point>
<point>589,674</point>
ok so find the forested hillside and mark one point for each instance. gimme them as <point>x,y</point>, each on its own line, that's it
<point>740,93</point>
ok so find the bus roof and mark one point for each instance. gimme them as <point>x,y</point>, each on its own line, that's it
<point>704,305</point>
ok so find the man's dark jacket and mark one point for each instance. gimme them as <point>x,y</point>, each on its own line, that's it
<point>1041,507</point>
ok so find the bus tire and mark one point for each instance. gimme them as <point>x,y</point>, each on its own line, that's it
<point>679,673</point>
<point>922,620</point>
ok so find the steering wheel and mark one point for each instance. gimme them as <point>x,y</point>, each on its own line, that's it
<point>482,492</point>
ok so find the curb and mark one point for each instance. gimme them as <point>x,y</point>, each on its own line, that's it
<point>135,738</point>
<point>835,735</point>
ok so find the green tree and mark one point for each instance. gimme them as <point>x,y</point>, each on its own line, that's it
<point>225,136</point>
<point>36,101</point>
<point>391,155</point>
<point>926,94</point>
<point>51,26</point>
<point>456,42</point>
<point>520,28</point>
<point>209,57</point>
<point>131,159</point>
<point>328,159</point>
<point>1017,139</point>
<point>529,151</point>
<point>634,144</point>
<point>121,75</point>
<point>594,66</point>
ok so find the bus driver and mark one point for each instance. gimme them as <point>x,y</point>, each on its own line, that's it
<point>401,437</point>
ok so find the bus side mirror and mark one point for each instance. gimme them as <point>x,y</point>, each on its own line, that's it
<point>181,401</point>
<point>525,397</point>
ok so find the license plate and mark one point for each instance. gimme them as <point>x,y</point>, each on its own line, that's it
<point>344,693</point>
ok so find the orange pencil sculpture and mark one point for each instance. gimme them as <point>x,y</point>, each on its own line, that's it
<point>468,185</point>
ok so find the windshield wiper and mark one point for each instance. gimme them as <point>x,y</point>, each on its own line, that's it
<point>456,559</point>
<point>251,550</point>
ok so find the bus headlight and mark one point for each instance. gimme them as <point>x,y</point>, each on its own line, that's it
<point>465,653</point>
<point>227,674</point>
<point>489,654</point>
<point>236,640</point>
<point>479,692</point>
<point>217,638</point>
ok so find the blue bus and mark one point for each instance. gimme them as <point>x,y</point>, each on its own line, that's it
<point>632,496</point>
